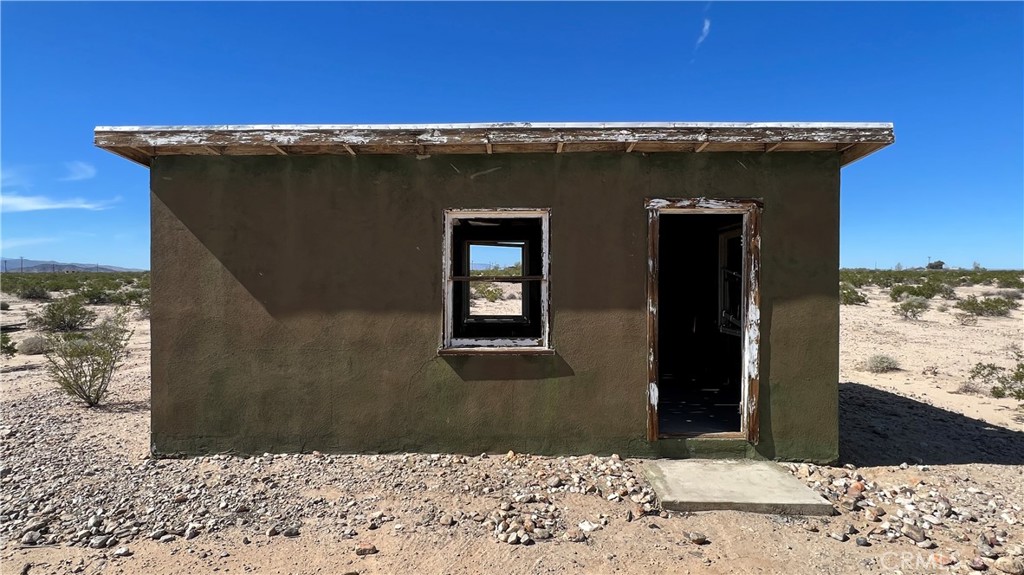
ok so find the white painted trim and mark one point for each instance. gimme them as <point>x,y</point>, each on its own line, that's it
<point>450,217</point>
<point>499,126</point>
<point>751,315</point>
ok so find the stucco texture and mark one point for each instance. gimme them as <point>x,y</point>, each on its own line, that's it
<point>297,303</point>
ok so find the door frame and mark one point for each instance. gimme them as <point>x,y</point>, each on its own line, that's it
<point>751,333</point>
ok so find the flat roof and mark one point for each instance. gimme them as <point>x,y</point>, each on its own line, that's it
<point>852,140</point>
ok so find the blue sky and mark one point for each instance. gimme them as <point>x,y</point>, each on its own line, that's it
<point>949,75</point>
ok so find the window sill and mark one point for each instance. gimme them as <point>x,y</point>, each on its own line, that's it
<point>496,351</point>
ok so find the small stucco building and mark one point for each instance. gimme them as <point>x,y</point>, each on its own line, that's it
<point>648,289</point>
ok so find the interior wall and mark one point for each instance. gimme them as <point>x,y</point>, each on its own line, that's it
<point>297,302</point>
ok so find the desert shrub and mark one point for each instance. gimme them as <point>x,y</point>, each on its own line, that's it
<point>848,295</point>
<point>65,314</point>
<point>1010,282</point>
<point>4,306</point>
<point>486,290</point>
<point>7,347</point>
<point>911,308</point>
<point>143,306</point>
<point>34,345</point>
<point>1004,382</point>
<point>95,295</point>
<point>969,387</point>
<point>83,364</point>
<point>942,307</point>
<point>128,296</point>
<point>882,364</point>
<point>963,318</point>
<point>988,307</point>
<point>33,291</point>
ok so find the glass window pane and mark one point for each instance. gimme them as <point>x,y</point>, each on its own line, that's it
<point>495,299</point>
<point>496,258</point>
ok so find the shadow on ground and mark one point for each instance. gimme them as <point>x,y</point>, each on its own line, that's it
<point>124,406</point>
<point>878,428</point>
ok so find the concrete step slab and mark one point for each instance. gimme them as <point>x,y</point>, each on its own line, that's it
<point>755,486</point>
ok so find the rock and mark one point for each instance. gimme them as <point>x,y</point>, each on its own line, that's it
<point>1010,565</point>
<point>157,534</point>
<point>587,526</point>
<point>554,481</point>
<point>291,531</point>
<point>446,520</point>
<point>977,564</point>
<point>810,527</point>
<point>272,531</point>
<point>98,542</point>
<point>839,536</point>
<point>191,532</point>
<point>697,538</point>
<point>30,537</point>
<point>246,541</point>
<point>987,551</point>
<point>863,542</point>
<point>913,532</point>
<point>168,538</point>
<point>541,533</point>
<point>122,552</point>
<point>943,560</point>
<point>365,548</point>
<point>575,535</point>
<point>926,544</point>
<point>95,521</point>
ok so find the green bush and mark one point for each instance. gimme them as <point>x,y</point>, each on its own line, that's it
<point>7,347</point>
<point>1010,282</point>
<point>65,314</point>
<point>848,295</point>
<point>486,290</point>
<point>95,295</point>
<point>129,296</point>
<point>34,345</point>
<point>911,308</point>
<point>33,291</point>
<point>83,364</point>
<point>987,307</point>
<point>882,364</point>
<point>1003,382</point>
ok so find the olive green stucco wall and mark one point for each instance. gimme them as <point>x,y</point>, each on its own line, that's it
<point>297,303</point>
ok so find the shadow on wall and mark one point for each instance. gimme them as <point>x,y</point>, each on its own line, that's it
<point>879,428</point>
<point>505,368</point>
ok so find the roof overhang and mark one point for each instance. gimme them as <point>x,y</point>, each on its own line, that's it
<point>142,143</point>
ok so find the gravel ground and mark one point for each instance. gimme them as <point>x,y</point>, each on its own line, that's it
<point>80,494</point>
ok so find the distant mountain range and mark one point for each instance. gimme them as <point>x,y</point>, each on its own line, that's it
<point>40,266</point>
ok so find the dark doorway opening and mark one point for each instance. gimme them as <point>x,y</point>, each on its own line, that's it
<point>701,298</point>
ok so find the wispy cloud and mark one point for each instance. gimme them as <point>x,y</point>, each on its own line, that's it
<point>13,178</point>
<point>10,203</point>
<point>79,171</point>
<point>703,33</point>
<point>11,243</point>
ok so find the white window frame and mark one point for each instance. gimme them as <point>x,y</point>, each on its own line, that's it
<point>542,344</point>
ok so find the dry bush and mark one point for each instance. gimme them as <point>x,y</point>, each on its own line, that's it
<point>966,318</point>
<point>34,345</point>
<point>911,308</point>
<point>880,363</point>
<point>83,364</point>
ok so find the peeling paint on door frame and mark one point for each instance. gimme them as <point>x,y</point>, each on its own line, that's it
<point>751,211</point>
